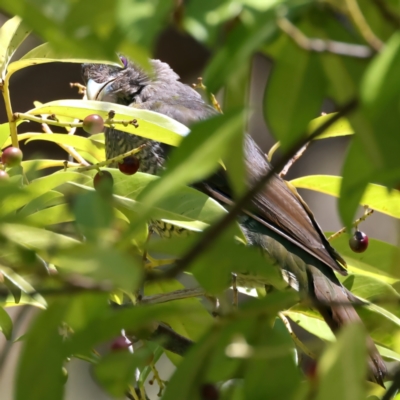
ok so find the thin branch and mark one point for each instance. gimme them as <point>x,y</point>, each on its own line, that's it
<point>395,386</point>
<point>320,45</point>
<point>367,213</point>
<point>289,164</point>
<point>110,160</point>
<point>172,296</point>
<point>69,149</point>
<point>210,235</point>
<point>362,25</point>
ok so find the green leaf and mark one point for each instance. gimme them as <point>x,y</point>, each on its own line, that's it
<point>316,326</point>
<point>341,127</point>
<point>45,54</point>
<point>24,286</point>
<point>126,25</point>
<point>377,197</point>
<point>191,325</point>
<point>94,215</point>
<point>381,81</point>
<point>240,45</point>
<point>152,125</point>
<point>37,188</point>
<point>50,216</point>
<point>12,34</point>
<point>37,364</point>
<point>294,94</point>
<point>6,325</point>
<point>103,265</point>
<point>45,200</point>
<point>276,356</point>
<point>379,95</point>
<point>344,362</point>
<point>36,238</point>
<point>95,149</point>
<point>202,19</point>
<point>115,371</point>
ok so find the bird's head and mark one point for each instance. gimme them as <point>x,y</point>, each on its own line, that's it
<point>126,84</point>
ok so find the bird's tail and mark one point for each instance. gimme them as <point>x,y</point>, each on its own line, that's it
<point>334,304</point>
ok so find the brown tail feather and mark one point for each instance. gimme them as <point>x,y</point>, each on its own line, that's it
<point>331,299</point>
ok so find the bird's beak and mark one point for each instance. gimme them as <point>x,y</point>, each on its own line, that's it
<point>100,91</point>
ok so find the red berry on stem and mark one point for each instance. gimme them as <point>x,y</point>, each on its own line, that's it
<point>129,165</point>
<point>93,123</point>
<point>103,182</point>
<point>359,242</point>
<point>4,176</point>
<point>12,156</point>
<point>120,343</point>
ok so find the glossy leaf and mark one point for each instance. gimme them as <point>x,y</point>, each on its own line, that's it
<point>377,197</point>
<point>151,124</point>
<point>93,148</point>
<point>45,54</point>
<point>24,286</point>
<point>12,34</point>
<point>342,127</point>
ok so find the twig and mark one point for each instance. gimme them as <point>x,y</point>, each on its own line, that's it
<point>320,45</point>
<point>10,116</point>
<point>69,149</point>
<point>293,160</point>
<point>81,88</point>
<point>367,213</point>
<point>272,151</point>
<point>390,16</point>
<point>362,25</point>
<point>210,235</point>
<point>395,386</point>
<point>111,160</point>
<point>214,101</point>
<point>172,296</point>
<point>108,121</point>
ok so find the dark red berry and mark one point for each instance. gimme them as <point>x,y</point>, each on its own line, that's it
<point>93,123</point>
<point>103,182</point>
<point>129,165</point>
<point>359,242</point>
<point>3,176</point>
<point>208,391</point>
<point>12,156</point>
<point>120,343</point>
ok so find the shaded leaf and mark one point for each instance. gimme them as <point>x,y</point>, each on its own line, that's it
<point>344,363</point>
<point>6,325</point>
<point>296,75</point>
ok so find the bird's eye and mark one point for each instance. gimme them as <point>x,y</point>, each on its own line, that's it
<point>124,61</point>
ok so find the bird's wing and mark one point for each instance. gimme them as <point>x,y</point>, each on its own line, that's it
<point>279,208</point>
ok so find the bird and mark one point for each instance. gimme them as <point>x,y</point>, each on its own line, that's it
<point>279,221</point>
